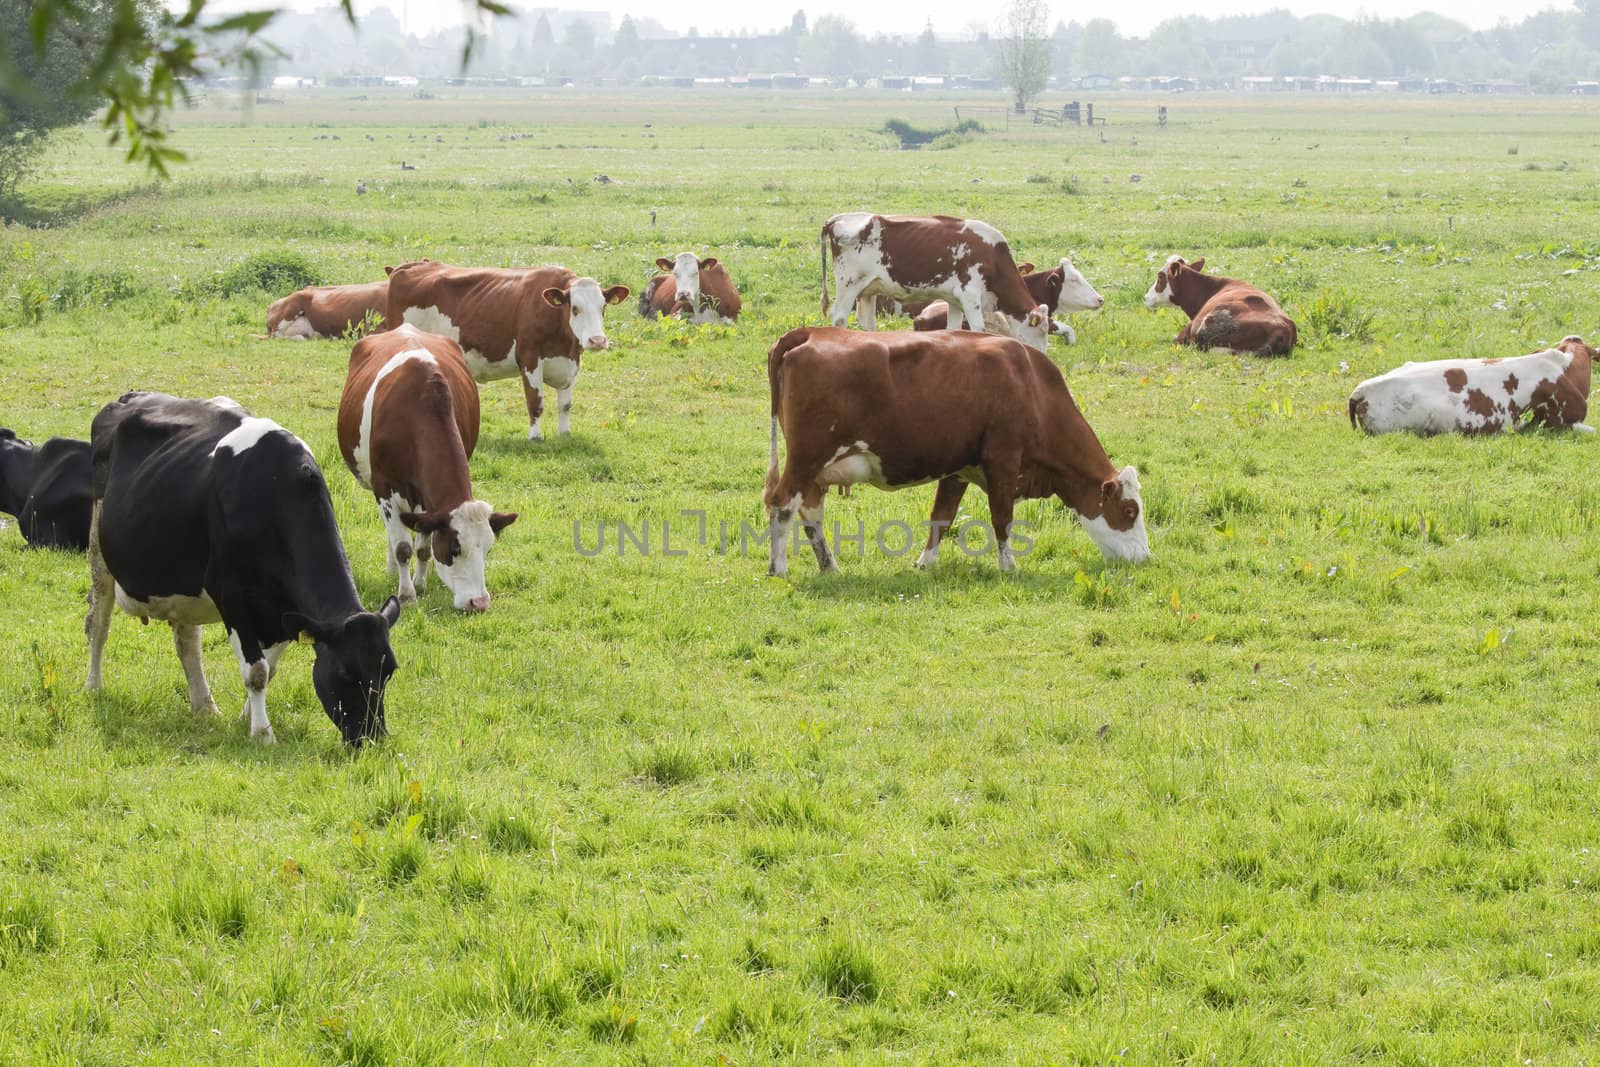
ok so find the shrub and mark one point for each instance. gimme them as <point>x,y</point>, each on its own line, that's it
<point>269,272</point>
<point>1337,315</point>
<point>913,137</point>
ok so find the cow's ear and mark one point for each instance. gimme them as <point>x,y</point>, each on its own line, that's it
<point>616,294</point>
<point>1199,264</point>
<point>708,262</point>
<point>390,610</point>
<point>303,626</point>
<point>500,520</point>
<point>556,298</point>
<point>664,263</point>
<point>388,271</point>
<point>1110,489</point>
<point>1024,268</point>
<point>422,522</point>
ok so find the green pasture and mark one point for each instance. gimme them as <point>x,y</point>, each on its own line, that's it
<point>1318,784</point>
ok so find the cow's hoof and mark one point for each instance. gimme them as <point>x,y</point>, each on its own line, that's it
<point>777,572</point>
<point>264,736</point>
<point>408,596</point>
<point>205,711</point>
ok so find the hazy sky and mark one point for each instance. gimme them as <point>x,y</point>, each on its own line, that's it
<point>949,17</point>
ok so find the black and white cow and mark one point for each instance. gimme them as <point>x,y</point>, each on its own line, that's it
<point>203,513</point>
<point>46,488</point>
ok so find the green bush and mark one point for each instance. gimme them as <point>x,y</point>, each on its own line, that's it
<point>269,272</point>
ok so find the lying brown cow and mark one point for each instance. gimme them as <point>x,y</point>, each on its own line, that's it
<point>535,322</point>
<point>1473,396</point>
<point>319,311</point>
<point>697,289</point>
<point>901,409</point>
<point>408,422</point>
<point>1223,312</point>
<point>1061,285</point>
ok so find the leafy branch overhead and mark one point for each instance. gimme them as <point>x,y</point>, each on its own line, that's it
<point>64,58</point>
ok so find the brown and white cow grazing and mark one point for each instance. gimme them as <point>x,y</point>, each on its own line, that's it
<point>902,409</point>
<point>408,422</point>
<point>532,321</point>
<point>326,310</point>
<point>964,262</point>
<point>697,289</point>
<point>1548,388</point>
<point>1223,312</point>
<point>1061,287</point>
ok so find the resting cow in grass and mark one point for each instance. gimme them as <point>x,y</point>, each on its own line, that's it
<point>408,422</point>
<point>1223,312</point>
<point>46,489</point>
<point>1061,287</point>
<point>964,262</point>
<point>1472,396</point>
<point>954,407</point>
<point>696,289</point>
<point>535,322</point>
<point>202,514</point>
<point>319,311</point>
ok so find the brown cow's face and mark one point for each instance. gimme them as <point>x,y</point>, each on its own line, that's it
<point>585,304</point>
<point>1160,294</point>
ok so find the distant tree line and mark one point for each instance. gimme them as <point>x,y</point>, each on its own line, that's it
<point>1548,50</point>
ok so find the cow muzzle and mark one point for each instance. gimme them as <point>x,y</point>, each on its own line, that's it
<point>595,344</point>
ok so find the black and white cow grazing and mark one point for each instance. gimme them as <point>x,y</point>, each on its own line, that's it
<point>46,488</point>
<point>203,513</point>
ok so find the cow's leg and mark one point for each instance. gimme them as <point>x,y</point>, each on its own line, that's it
<point>1000,480</point>
<point>564,407</point>
<point>255,670</point>
<point>1067,332</point>
<point>102,598</point>
<point>187,641</point>
<point>972,311</point>
<point>867,313</point>
<point>811,504</point>
<point>945,504</point>
<point>779,526</point>
<point>843,301</point>
<point>424,546</point>
<point>532,392</point>
<point>400,548</point>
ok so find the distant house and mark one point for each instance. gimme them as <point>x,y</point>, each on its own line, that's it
<point>1445,85</point>
<point>790,81</point>
<point>1355,85</point>
<point>1261,84</point>
<point>1095,81</point>
<point>293,81</point>
<point>1584,88</point>
<point>896,82</point>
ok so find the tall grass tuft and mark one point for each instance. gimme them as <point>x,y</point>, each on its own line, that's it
<point>1337,315</point>
<point>847,971</point>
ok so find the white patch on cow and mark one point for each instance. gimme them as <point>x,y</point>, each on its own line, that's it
<point>179,610</point>
<point>1417,397</point>
<point>463,576</point>
<point>256,675</point>
<point>1131,545</point>
<point>363,450</point>
<point>983,231</point>
<point>1035,334</point>
<point>396,535</point>
<point>1076,292</point>
<point>432,320</point>
<point>245,436</point>
<point>851,225</point>
<point>929,557</point>
<point>1007,560</point>
<point>778,560</point>
<point>295,329</point>
<point>586,315</point>
<point>686,279</point>
<point>483,369</point>
<point>559,371</point>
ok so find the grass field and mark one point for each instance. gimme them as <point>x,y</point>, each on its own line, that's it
<point>1318,784</point>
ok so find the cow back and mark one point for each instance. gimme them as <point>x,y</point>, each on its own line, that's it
<point>488,308</point>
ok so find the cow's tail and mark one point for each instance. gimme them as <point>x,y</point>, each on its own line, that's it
<point>787,343</point>
<point>822,254</point>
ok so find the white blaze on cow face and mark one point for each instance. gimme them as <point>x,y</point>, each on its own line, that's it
<point>1076,292</point>
<point>1160,294</point>
<point>586,310</point>
<point>463,575</point>
<point>1131,545</point>
<point>686,277</point>
<point>363,449</point>
<point>1033,331</point>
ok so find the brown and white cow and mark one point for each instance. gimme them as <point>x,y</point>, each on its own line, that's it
<point>697,289</point>
<point>319,311</point>
<point>1223,312</point>
<point>901,409</point>
<point>1062,287</point>
<point>1548,388</point>
<point>535,322</point>
<point>408,422</point>
<point>964,262</point>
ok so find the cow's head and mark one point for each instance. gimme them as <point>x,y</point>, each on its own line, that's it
<point>1119,527</point>
<point>352,669</point>
<point>585,303</point>
<point>1076,294</point>
<point>16,471</point>
<point>1161,292</point>
<point>685,271</point>
<point>287,317</point>
<point>1033,330</point>
<point>1571,344</point>
<point>460,541</point>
